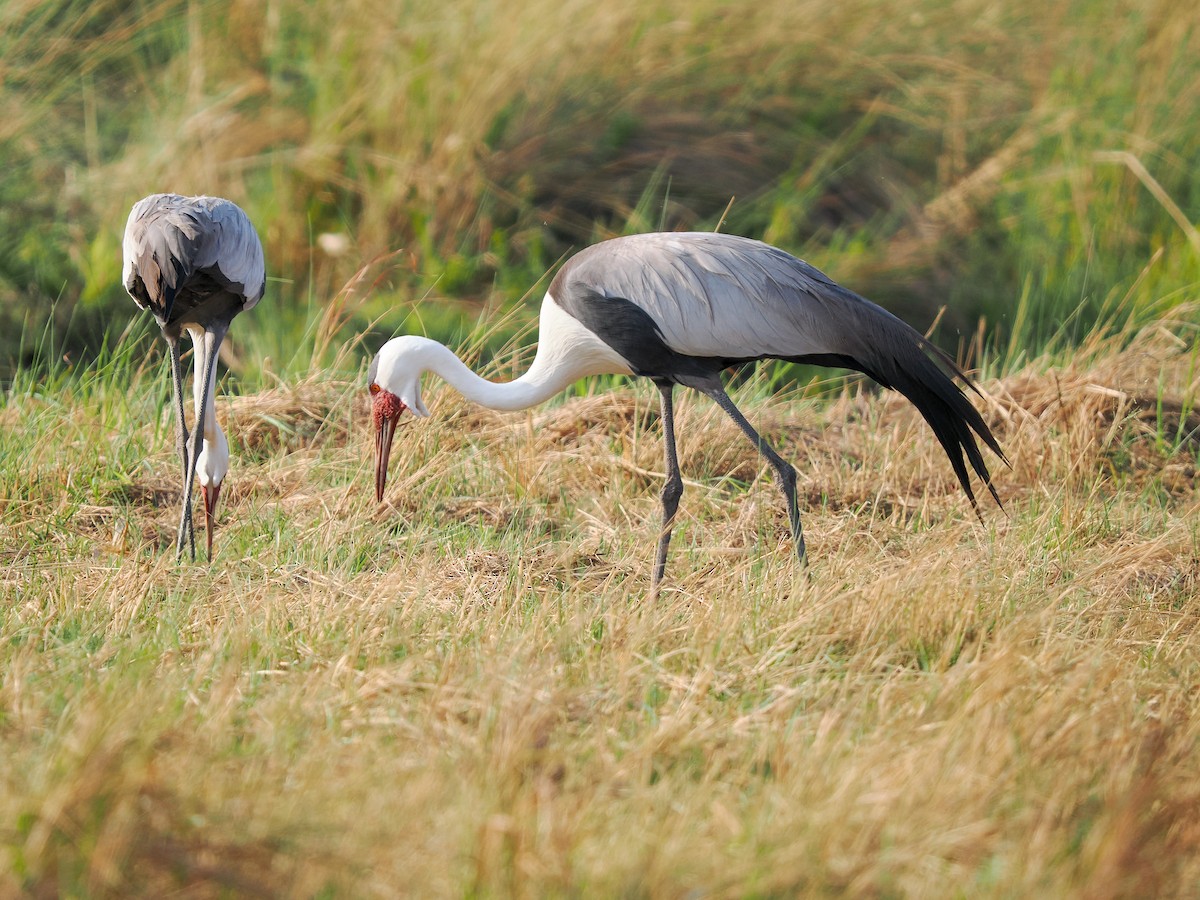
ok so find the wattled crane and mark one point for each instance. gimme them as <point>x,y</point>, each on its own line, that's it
<point>678,308</point>
<point>194,263</point>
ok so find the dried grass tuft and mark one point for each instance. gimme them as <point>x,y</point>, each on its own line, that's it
<point>311,413</point>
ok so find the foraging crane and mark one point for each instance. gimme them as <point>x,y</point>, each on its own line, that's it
<point>678,308</point>
<point>194,263</point>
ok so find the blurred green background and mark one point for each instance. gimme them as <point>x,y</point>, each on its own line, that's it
<point>421,165</point>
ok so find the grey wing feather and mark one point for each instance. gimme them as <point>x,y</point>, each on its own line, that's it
<point>170,238</point>
<point>722,296</point>
<point>230,244</point>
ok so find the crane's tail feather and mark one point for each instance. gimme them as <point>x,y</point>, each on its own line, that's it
<point>901,362</point>
<point>955,422</point>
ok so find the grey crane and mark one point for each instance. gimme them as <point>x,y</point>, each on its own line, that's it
<point>194,263</point>
<point>678,308</point>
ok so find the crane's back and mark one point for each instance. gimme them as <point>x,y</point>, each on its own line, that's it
<point>192,260</point>
<point>719,296</point>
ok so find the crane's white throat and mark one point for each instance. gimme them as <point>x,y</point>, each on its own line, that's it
<point>567,351</point>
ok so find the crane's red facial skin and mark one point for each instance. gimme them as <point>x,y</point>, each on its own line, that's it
<point>387,405</point>
<point>210,495</point>
<point>386,413</point>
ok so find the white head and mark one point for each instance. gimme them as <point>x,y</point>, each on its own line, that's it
<point>394,380</point>
<point>212,465</point>
<point>397,368</point>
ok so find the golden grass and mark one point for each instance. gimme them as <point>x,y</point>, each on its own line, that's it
<point>467,691</point>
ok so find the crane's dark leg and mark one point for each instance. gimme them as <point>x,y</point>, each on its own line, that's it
<point>181,437</point>
<point>785,474</point>
<point>673,487</point>
<point>206,347</point>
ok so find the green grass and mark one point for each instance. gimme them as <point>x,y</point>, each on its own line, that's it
<point>467,690</point>
<point>963,155</point>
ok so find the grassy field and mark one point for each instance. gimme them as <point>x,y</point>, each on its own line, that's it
<point>467,690</point>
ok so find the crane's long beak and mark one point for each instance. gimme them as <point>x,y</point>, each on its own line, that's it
<point>210,495</point>
<point>387,411</point>
<point>383,452</point>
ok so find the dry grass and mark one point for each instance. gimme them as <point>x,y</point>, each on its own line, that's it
<point>466,691</point>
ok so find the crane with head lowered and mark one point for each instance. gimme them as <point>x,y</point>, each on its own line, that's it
<point>194,263</point>
<point>679,308</point>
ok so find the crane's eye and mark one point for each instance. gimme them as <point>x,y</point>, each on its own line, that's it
<point>374,389</point>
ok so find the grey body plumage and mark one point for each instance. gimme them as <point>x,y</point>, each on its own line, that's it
<point>192,260</point>
<point>194,263</point>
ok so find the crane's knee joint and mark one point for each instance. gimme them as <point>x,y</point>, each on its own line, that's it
<point>787,477</point>
<point>672,491</point>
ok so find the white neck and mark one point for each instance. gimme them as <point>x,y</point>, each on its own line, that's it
<point>201,348</point>
<point>530,389</point>
<point>567,351</point>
